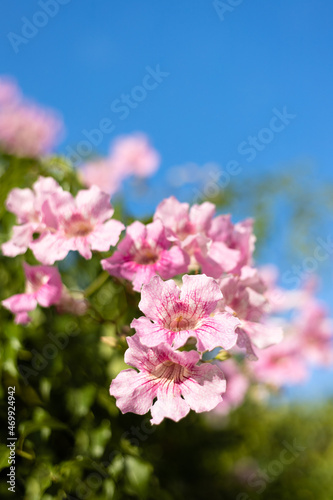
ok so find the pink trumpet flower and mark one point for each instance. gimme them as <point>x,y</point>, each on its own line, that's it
<point>173,315</point>
<point>82,223</point>
<point>145,252</point>
<point>173,377</point>
<point>43,287</point>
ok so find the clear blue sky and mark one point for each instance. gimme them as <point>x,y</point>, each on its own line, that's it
<point>225,77</point>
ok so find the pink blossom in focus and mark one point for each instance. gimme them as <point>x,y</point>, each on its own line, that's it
<point>144,252</point>
<point>27,204</point>
<point>82,224</point>
<point>173,314</point>
<point>173,377</point>
<point>43,287</point>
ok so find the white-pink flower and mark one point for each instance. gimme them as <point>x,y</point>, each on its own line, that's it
<point>27,204</point>
<point>82,224</point>
<point>43,287</point>
<point>145,252</point>
<point>175,378</point>
<point>173,314</point>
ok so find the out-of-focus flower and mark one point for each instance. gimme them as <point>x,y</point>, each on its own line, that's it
<point>173,315</point>
<point>26,130</point>
<point>281,364</point>
<point>72,303</point>
<point>314,331</point>
<point>144,252</point>
<point>173,377</point>
<point>135,155</point>
<point>129,155</point>
<point>102,173</point>
<point>9,92</point>
<point>237,386</point>
<point>43,287</point>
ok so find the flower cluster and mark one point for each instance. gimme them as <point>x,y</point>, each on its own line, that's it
<point>212,326</point>
<point>61,222</point>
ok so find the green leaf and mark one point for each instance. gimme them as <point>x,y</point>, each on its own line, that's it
<point>137,473</point>
<point>4,455</point>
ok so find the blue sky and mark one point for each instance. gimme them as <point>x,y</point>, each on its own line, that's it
<point>222,79</point>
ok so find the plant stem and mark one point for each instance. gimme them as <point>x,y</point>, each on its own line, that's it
<point>96,284</point>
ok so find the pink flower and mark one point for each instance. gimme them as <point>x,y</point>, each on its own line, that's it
<point>237,386</point>
<point>173,377</point>
<point>134,154</point>
<point>280,299</point>
<point>102,173</point>
<point>231,248</point>
<point>281,364</point>
<point>43,287</point>
<point>82,223</point>
<point>314,331</point>
<point>129,155</point>
<point>144,252</point>
<point>173,315</point>
<point>27,130</point>
<point>244,296</point>
<point>215,244</point>
<point>186,226</point>
<point>9,92</point>
<point>27,204</point>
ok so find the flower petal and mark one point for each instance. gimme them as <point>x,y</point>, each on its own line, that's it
<point>21,302</point>
<point>169,404</point>
<point>217,331</point>
<point>158,298</point>
<point>134,391</point>
<point>94,204</point>
<point>200,294</point>
<point>203,391</point>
